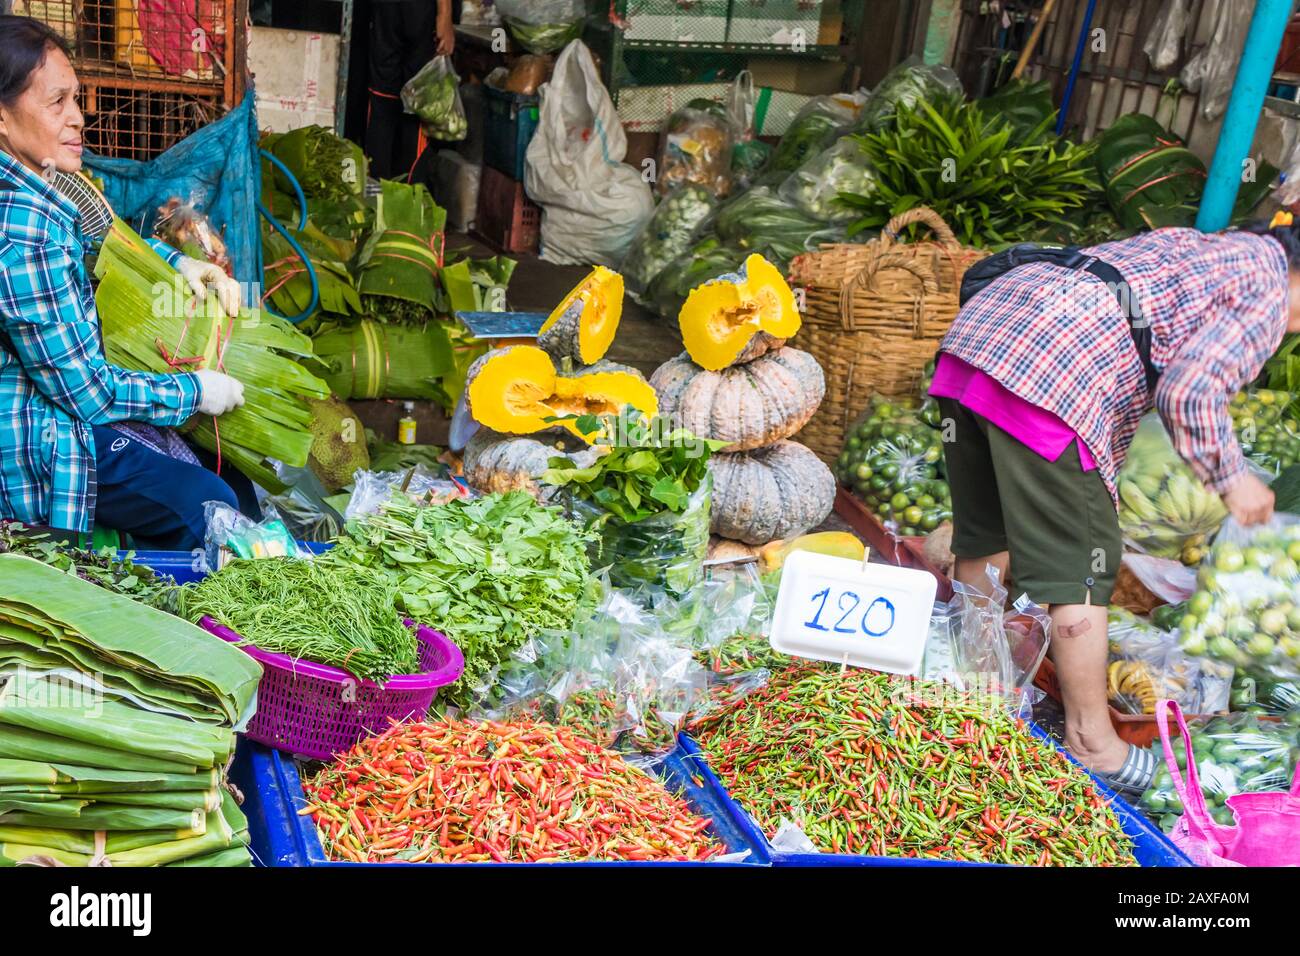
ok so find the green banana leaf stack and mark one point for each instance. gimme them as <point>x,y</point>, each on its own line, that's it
<point>370,359</point>
<point>286,285</point>
<point>398,268</point>
<point>116,725</point>
<point>152,323</point>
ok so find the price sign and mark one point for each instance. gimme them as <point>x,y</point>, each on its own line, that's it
<point>867,615</point>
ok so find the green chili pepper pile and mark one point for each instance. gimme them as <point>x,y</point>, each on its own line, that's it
<point>869,763</point>
<point>461,792</point>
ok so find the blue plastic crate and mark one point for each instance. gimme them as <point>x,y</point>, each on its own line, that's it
<point>1150,846</point>
<point>509,122</point>
<point>279,836</point>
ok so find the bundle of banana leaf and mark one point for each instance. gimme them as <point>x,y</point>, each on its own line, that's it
<point>325,164</point>
<point>398,268</point>
<point>286,285</point>
<point>370,359</point>
<point>152,323</point>
<point>116,724</point>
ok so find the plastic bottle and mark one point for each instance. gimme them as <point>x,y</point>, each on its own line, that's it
<point>406,425</point>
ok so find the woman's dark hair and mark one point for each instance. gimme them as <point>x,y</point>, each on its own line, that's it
<point>1287,236</point>
<point>23,45</point>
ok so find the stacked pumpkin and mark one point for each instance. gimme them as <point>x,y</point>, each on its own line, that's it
<point>516,393</point>
<point>738,382</point>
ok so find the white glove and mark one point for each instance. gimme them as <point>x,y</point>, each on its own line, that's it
<point>204,277</point>
<point>218,392</point>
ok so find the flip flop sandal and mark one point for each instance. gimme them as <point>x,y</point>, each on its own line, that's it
<point>1133,778</point>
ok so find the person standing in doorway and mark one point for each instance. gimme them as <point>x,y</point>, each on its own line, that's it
<point>404,36</point>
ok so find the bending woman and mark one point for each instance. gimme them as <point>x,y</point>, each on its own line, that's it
<point>1042,385</point>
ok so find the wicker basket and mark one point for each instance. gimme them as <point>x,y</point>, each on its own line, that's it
<point>873,317</point>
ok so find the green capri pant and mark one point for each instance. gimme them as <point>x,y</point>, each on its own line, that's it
<point>1057,520</point>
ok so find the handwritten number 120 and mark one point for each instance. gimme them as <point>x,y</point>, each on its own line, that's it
<point>850,598</point>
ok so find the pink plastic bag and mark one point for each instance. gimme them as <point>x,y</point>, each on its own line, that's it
<point>1267,829</point>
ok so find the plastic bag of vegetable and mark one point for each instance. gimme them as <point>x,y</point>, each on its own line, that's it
<point>1147,664</point>
<point>893,460</point>
<point>433,95</point>
<point>1246,610</point>
<point>1238,753</point>
<point>813,129</point>
<point>1163,509</point>
<point>1165,38</point>
<point>814,188</point>
<point>761,221</point>
<point>696,150</point>
<point>647,503</point>
<point>1267,435</point>
<point>667,235</point>
<point>707,259</point>
<point>543,26</point>
<point>909,83</point>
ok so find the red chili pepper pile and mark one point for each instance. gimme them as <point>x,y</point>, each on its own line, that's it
<point>868,763</point>
<point>458,792</point>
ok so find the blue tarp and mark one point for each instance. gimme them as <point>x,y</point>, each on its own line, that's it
<point>216,168</point>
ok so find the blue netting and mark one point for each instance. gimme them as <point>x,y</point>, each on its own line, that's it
<point>216,168</point>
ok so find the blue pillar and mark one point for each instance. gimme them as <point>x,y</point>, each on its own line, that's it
<point>1253,74</point>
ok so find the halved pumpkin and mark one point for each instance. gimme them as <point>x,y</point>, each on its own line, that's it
<point>515,390</point>
<point>582,327</point>
<point>740,316</point>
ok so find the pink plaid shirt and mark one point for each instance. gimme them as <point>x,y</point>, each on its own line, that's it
<point>1217,307</point>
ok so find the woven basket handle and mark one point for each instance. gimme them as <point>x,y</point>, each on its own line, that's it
<point>923,214</point>
<point>867,277</point>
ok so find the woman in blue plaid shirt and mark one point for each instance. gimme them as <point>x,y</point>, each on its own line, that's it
<point>59,464</point>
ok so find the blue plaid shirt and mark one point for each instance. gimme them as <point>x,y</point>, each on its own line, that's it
<point>54,379</point>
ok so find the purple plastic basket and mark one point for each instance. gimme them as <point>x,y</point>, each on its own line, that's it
<point>314,710</point>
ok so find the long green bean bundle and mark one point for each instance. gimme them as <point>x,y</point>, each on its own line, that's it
<point>343,616</point>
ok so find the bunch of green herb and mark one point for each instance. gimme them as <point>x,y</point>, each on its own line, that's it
<point>991,183</point>
<point>325,164</point>
<point>104,568</point>
<point>489,572</point>
<point>339,615</point>
<point>651,474</point>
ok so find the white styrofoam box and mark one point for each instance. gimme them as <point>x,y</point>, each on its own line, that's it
<point>455,188</point>
<point>296,74</point>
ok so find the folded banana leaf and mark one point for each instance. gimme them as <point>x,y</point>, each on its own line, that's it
<point>287,286</point>
<point>1153,180</point>
<point>369,359</point>
<point>65,778</point>
<point>152,323</point>
<point>234,856</point>
<point>478,285</point>
<point>202,801</point>
<point>400,262</point>
<point>219,679</point>
<point>23,744</point>
<point>99,816</point>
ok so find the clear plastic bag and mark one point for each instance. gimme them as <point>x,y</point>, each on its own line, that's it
<point>1267,435</point>
<point>996,651</point>
<point>1246,609</point>
<point>543,26</point>
<point>665,551</point>
<point>815,187</point>
<point>182,226</point>
<point>669,234</point>
<point>230,534</point>
<point>372,489</point>
<point>907,84</point>
<point>893,460</point>
<point>1237,753</point>
<point>813,129</point>
<point>761,221</point>
<point>1165,39</point>
<point>696,150</point>
<point>1146,664</point>
<point>433,95</point>
<point>1163,510</point>
<point>1211,71</point>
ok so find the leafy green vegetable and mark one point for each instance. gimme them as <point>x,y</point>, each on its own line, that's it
<point>342,616</point>
<point>991,184</point>
<point>325,164</point>
<point>1022,103</point>
<point>119,575</point>
<point>489,572</point>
